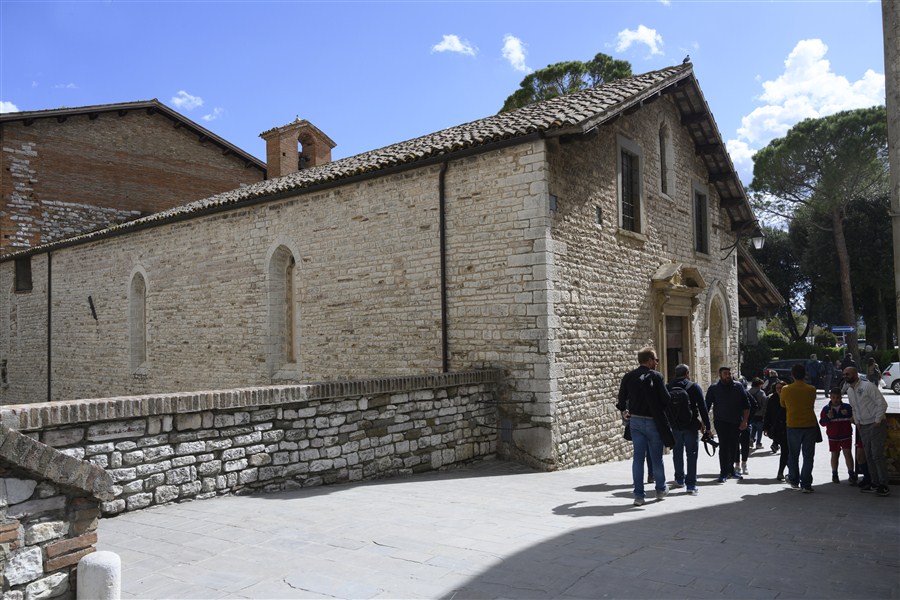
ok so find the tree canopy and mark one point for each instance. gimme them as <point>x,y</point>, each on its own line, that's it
<point>813,175</point>
<point>565,77</point>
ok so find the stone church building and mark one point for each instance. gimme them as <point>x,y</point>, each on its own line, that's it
<point>551,242</point>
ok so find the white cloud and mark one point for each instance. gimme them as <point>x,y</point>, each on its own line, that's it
<point>666,2</point>
<point>8,107</point>
<point>807,88</point>
<point>185,101</point>
<point>215,114</point>
<point>514,52</point>
<point>65,86</point>
<point>641,35</point>
<point>452,43</point>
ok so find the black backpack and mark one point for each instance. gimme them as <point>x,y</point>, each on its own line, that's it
<point>680,414</point>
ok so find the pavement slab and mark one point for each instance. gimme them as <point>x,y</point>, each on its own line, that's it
<point>498,530</point>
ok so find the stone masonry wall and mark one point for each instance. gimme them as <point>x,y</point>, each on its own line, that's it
<point>174,447</point>
<point>602,286</point>
<point>132,164</point>
<point>49,508</point>
<point>367,292</point>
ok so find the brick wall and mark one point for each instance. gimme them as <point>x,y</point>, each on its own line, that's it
<point>159,449</point>
<point>49,507</point>
<point>85,173</point>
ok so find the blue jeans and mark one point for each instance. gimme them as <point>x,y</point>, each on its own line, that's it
<point>756,430</point>
<point>646,441</point>
<point>801,440</point>
<point>686,442</point>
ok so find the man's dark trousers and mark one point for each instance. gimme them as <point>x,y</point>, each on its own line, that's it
<point>729,434</point>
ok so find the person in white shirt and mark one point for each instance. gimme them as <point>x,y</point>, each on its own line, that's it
<point>869,409</point>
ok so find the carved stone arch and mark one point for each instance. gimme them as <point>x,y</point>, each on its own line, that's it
<point>138,319</point>
<point>283,317</point>
<point>718,327</point>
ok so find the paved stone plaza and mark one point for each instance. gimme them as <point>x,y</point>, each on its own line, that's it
<point>500,530</point>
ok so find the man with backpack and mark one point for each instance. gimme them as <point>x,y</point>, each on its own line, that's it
<point>688,416</point>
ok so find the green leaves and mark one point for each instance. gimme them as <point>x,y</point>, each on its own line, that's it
<point>565,77</point>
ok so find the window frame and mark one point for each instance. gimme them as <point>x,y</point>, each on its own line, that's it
<point>666,161</point>
<point>283,327</point>
<point>24,279</point>
<point>138,358</point>
<point>700,222</point>
<point>625,146</point>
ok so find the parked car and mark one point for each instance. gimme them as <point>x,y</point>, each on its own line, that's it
<point>890,377</point>
<point>783,367</point>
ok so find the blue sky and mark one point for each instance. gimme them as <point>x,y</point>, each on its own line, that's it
<point>371,74</point>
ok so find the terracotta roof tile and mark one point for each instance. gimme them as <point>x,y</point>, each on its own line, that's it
<point>570,113</point>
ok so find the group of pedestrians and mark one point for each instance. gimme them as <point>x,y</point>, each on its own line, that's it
<point>661,416</point>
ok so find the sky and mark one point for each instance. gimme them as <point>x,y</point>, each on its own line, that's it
<point>370,74</point>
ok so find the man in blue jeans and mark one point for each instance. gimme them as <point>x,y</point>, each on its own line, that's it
<point>642,400</point>
<point>798,400</point>
<point>686,442</point>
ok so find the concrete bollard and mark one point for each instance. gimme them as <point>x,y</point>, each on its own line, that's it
<point>100,576</point>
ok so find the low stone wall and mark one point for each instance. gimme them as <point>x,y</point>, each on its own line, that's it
<point>172,447</point>
<point>49,507</point>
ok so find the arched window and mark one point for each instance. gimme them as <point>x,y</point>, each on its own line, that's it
<point>137,322</point>
<point>666,166</point>
<point>282,342</point>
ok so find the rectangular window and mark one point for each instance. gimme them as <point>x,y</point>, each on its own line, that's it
<point>701,222</point>
<point>629,181</point>
<point>23,274</point>
<point>631,200</point>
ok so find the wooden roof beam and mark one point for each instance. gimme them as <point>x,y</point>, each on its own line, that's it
<point>709,148</point>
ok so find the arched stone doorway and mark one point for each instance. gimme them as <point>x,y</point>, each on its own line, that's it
<point>718,338</point>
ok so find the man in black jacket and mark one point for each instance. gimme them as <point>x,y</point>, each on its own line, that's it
<point>686,442</point>
<point>643,398</point>
<point>731,409</point>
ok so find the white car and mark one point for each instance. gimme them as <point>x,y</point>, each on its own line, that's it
<point>890,377</point>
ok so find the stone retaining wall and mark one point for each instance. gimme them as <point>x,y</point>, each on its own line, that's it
<point>172,447</point>
<point>49,506</point>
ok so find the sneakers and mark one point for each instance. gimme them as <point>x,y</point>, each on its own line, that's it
<point>736,475</point>
<point>660,494</point>
<point>852,478</point>
<point>807,490</point>
<point>638,500</point>
<point>867,488</point>
<point>758,446</point>
<point>744,468</point>
<point>882,490</point>
<point>721,479</point>
<point>794,486</point>
<point>835,478</point>
<point>695,491</point>
<point>780,477</point>
<point>677,484</point>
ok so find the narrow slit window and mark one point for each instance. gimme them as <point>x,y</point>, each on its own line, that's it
<point>701,222</point>
<point>137,319</point>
